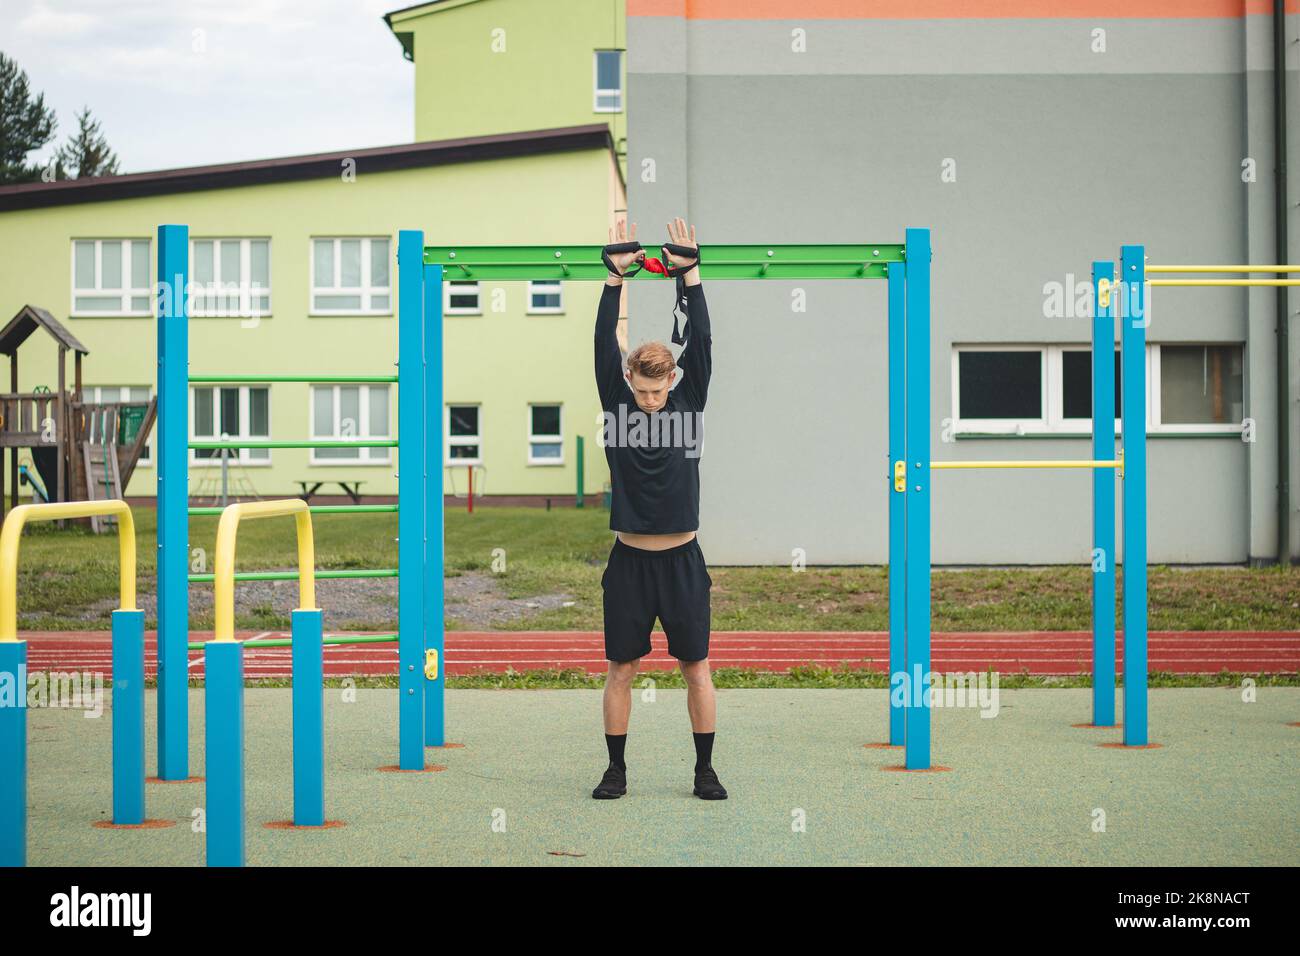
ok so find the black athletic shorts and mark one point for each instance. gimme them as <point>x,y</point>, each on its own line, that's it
<point>672,585</point>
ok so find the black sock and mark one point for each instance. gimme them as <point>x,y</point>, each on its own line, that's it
<point>616,744</point>
<point>703,750</point>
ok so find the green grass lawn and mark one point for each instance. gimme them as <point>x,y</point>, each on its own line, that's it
<point>68,578</point>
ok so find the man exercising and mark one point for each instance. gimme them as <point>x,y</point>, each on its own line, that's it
<point>656,568</point>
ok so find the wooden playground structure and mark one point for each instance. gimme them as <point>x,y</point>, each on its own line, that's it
<point>80,451</point>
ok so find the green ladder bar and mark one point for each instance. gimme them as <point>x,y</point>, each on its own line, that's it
<point>273,379</point>
<point>318,510</point>
<point>332,639</point>
<point>504,263</point>
<point>321,443</point>
<point>293,575</point>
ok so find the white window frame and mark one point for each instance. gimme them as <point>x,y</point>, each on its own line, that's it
<point>1000,426</point>
<point>243,288</point>
<point>241,457</point>
<point>530,437</point>
<point>1056,394</point>
<point>1154,424</point>
<point>462,289</point>
<point>476,439</point>
<point>367,455</point>
<point>124,293</point>
<point>598,92</point>
<point>94,394</point>
<point>547,284</point>
<point>367,291</point>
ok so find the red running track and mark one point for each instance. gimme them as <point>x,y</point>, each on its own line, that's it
<point>1032,652</point>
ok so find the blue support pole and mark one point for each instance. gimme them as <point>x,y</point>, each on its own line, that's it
<point>308,719</point>
<point>1133,396</point>
<point>223,718</point>
<point>434,636</point>
<point>897,276</point>
<point>917,615</point>
<point>411,467</point>
<point>128,717</point>
<point>1103,495</point>
<point>13,753</point>
<point>173,501</point>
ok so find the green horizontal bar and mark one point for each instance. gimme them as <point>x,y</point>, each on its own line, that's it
<point>293,575</point>
<point>314,379</point>
<point>318,509</point>
<point>321,443</point>
<point>503,263</point>
<point>329,639</point>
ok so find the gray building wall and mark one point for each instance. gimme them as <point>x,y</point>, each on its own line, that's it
<point>1061,154</point>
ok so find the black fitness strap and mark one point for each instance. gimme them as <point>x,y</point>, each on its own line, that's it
<point>617,247</point>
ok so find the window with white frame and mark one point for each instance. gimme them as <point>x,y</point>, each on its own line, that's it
<point>544,297</point>
<point>1197,388</point>
<point>235,412</point>
<point>348,412</point>
<point>545,435</point>
<point>464,440</point>
<point>608,71</point>
<point>230,277</point>
<point>110,277</point>
<point>1037,389</point>
<point>125,395</point>
<point>461,298</point>
<point>351,276</point>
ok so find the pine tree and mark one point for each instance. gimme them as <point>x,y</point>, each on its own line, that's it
<point>26,124</point>
<point>87,152</point>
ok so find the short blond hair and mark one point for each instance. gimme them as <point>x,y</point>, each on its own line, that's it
<point>652,360</point>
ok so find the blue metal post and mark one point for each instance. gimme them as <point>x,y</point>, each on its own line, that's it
<point>411,466</point>
<point>308,719</point>
<point>223,719</point>
<point>128,717</point>
<point>1133,396</point>
<point>1103,495</point>
<point>173,502</point>
<point>434,637</point>
<point>917,497</point>
<point>897,499</point>
<point>13,753</point>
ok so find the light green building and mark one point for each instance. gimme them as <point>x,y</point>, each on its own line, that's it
<point>297,256</point>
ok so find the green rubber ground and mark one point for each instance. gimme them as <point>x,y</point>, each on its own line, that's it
<point>1025,787</point>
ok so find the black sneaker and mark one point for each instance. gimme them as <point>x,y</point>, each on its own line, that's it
<point>707,786</point>
<point>613,785</point>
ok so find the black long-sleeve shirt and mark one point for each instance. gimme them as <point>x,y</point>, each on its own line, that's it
<point>654,462</point>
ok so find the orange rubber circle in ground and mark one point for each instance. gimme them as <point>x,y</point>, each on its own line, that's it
<point>1135,747</point>
<point>161,780</point>
<point>1099,726</point>
<point>290,825</point>
<point>444,746</point>
<point>883,746</point>
<point>895,768</point>
<point>147,825</point>
<point>1295,724</point>
<point>429,768</point>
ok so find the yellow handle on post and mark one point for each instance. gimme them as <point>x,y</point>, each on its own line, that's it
<point>431,664</point>
<point>223,578</point>
<point>12,534</point>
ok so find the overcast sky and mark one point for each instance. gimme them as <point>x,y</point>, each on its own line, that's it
<point>192,82</point>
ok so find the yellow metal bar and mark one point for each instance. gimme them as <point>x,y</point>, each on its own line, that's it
<point>1275,269</point>
<point>224,571</point>
<point>57,511</point>
<point>1060,463</point>
<point>1228,282</point>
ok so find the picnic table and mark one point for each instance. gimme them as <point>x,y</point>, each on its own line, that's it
<point>351,488</point>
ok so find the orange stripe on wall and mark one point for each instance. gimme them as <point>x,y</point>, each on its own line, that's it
<point>950,9</point>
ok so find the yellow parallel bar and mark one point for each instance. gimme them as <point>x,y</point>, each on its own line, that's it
<point>1230,282</point>
<point>224,571</point>
<point>1275,269</point>
<point>57,511</point>
<point>1060,463</point>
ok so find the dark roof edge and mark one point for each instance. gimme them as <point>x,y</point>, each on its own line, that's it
<point>296,168</point>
